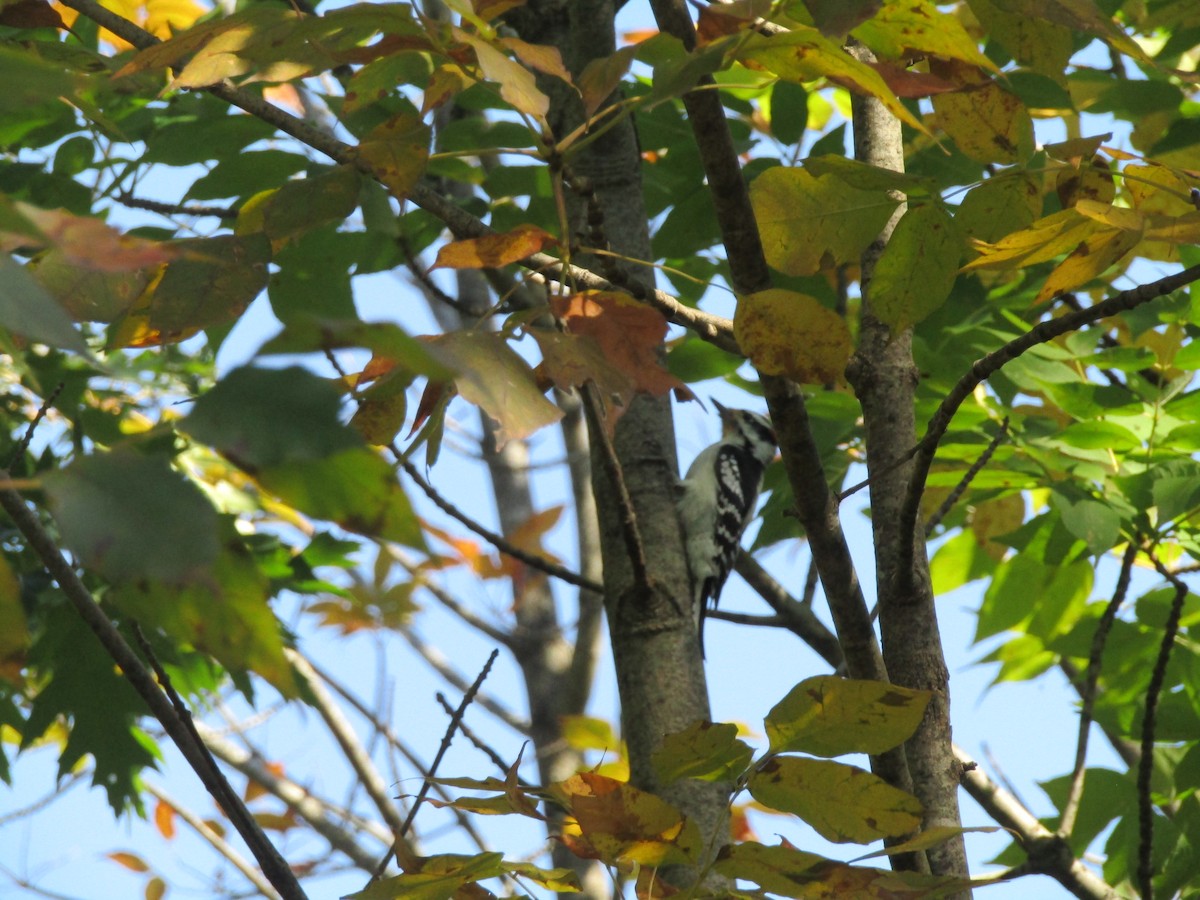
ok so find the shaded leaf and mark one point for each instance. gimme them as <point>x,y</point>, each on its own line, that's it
<point>397,152</point>
<point>828,716</point>
<point>518,86</point>
<point>496,379</point>
<point>917,269</point>
<point>28,310</point>
<point>128,516</point>
<point>14,634</point>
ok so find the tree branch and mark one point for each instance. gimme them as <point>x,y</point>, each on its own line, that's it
<point>793,615</point>
<point>176,724</point>
<point>965,482</point>
<point>988,365</point>
<point>1087,692</point>
<point>1049,854</point>
<point>714,329</point>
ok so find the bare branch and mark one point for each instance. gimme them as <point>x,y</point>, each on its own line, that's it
<point>447,738</point>
<point>167,209</point>
<point>1087,692</point>
<point>1049,854</point>
<point>959,489</point>
<point>793,615</point>
<point>214,840</point>
<point>356,755</point>
<point>1145,866</point>
<point>43,408</point>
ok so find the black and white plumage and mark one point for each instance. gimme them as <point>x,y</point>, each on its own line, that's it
<point>720,492</point>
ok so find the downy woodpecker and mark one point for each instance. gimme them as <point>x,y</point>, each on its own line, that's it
<point>719,496</point>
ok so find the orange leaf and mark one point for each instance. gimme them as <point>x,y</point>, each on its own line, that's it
<point>93,244</point>
<point>629,333</point>
<point>130,861</point>
<point>494,250</point>
<point>164,819</point>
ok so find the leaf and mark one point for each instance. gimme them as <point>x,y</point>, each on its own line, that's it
<point>828,716</point>
<point>494,378</point>
<point>518,86</point>
<point>809,223</point>
<point>93,244</point>
<point>842,803</point>
<point>211,283</point>
<point>988,123</point>
<point>780,870</point>
<point>601,76</point>
<point>397,151</point>
<point>440,878</point>
<point>558,880</point>
<point>900,29</point>
<point>1092,182</point>
<point>929,837</point>
<point>917,269</point>
<point>264,417</point>
<point>130,861</point>
<point>804,54</point>
<point>14,633</point>
<point>302,204</point>
<point>494,251</point>
<point>1043,46</point>
<point>31,81</point>
<point>28,310</point>
<point>619,823</point>
<point>164,819</point>
<point>1097,252</point>
<point>998,207</point>
<point>30,14</point>
<point>786,333</point>
<point>866,177</point>
<point>630,335</point>
<point>129,516</point>
<point>706,751</point>
<point>226,615</point>
<point>1043,240</point>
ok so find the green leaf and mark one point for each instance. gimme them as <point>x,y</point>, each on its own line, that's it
<point>30,81</point>
<point>707,751</point>
<point>864,177</point>
<point>1092,521</point>
<point>828,716</point>
<point>842,803</point>
<point>129,516</point>
<point>302,204</point>
<point>227,615</point>
<point>807,222</point>
<point>355,488</point>
<point>780,870</point>
<point>28,310</point>
<point>697,360</point>
<point>440,878</point>
<point>265,417</point>
<point>917,269</point>
<point>314,276</point>
<point>1097,434</point>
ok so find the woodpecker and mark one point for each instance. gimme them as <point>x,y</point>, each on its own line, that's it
<point>719,496</point>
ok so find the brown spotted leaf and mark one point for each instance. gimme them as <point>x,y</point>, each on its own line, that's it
<point>988,123</point>
<point>397,152</point>
<point>787,333</point>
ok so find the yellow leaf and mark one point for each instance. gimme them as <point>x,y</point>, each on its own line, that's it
<point>1042,46</point>
<point>1092,182</point>
<point>989,124</point>
<point>1089,260</point>
<point>397,151</point>
<point>167,17</point>
<point>904,26</point>
<point>804,54</point>
<point>518,87</point>
<point>998,207</point>
<point>1174,229</point>
<point>809,223</point>
<point>788,333</point>
<point>1043,240</point>
<point>1114,216</point>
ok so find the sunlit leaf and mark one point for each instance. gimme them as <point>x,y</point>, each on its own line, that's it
<point>710,752</point>
<point>829,716</point>
<point>900,28</point>
<point>494,250</point>
<point>842,803</point>
<point>786,333</point>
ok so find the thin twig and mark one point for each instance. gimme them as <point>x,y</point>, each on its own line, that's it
<point>616,478</point>
<point>714,329</point>
<point>498,541</point>
<point>177,725</point>
<point>447,738</point>
<point>476,741</point>
<point>214,840</point>
<point>27,437</point>
<point>959,489</point>
<point>168,209</point>
<point>1088,693</point>
<point>982,369</point>
<point>394,741</point>
<point>1145,866</point>
<point>355,754</point>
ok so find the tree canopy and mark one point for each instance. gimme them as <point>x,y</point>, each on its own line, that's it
<point>948,247</point>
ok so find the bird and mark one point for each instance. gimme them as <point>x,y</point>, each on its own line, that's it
<point>718,499</point>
